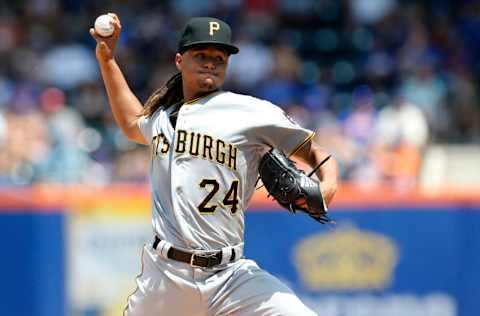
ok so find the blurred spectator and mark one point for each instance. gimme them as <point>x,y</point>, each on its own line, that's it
<point>132,166</point>
<point>332,65</point>
<point>69,66</point>
<point>463,109</point>
<point>282,87</point>
<point>67,162</point>
<point>398,165</point>
<point>427,90</point>
<point>358,127</point>
<point>259,59</point>
<point>401,122</point>
<point>402,134</point>
<point>26,148</point>
<point>360,123</point>
<point>371,11</point>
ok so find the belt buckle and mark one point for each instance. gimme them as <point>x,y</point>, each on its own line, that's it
<point>211,258</point>
<point>192,259</point>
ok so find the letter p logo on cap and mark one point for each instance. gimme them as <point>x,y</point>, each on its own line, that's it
<point>214,26</point>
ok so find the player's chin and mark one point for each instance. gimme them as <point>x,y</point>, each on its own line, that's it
<point>208,84</point>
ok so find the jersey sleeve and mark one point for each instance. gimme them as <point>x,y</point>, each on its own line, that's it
<point>277,129</point>
<point>151,125</point>
<point>145,125</point>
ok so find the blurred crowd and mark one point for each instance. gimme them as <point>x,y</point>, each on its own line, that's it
<point>379,80</point>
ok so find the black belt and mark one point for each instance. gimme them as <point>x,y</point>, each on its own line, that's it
<point>195,259</point>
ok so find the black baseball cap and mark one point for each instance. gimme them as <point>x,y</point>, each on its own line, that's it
<point>206,30</point>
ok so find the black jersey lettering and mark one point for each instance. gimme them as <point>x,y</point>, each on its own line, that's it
<point>181,139</point>
<point>232,157</point>
<point>194,144</point>
<point>219,154</point>
<point>207,147</point>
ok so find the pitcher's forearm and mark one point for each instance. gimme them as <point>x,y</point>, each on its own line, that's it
<point>328,173</point>
<point>126,107</point>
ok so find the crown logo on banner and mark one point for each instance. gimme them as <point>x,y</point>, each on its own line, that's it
<point>346,259</point>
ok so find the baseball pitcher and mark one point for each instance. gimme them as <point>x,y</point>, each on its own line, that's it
<point>208,146</point>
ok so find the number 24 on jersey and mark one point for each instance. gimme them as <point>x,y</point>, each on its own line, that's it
<point>230,200</point>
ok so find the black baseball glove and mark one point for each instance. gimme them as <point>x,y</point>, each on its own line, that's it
<point>287,184</point>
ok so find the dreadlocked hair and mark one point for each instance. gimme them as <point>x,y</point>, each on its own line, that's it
<point>168,95</point>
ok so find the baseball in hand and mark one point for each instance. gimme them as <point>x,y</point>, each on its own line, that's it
<point>102,25</point>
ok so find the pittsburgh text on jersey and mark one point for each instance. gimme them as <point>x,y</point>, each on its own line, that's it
<point>198,145</point>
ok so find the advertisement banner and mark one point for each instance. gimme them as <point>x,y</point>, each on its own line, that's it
<point>375,262</point>
<point>399,258</point>
<point>105,243</point>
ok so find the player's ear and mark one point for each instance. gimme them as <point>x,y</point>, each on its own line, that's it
<point>178,61</point>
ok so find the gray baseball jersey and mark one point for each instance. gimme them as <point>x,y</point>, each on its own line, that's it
<point>203,170</point>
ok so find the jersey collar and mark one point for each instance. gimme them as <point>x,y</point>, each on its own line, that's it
<point>202,97</point>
